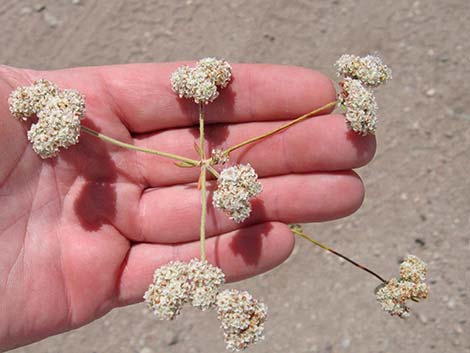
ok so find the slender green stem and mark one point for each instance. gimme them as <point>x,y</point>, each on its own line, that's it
<point>201,131</point>
<point>202,183</point>
<point>280,128</point>
<point>324,247</point>
<point>203,212</point>
<point>211,170</point>
<point>140,149</point>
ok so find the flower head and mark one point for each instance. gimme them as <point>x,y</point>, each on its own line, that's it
<point>370,70</point>
<point>205,280</point>
<point>393,295</point>
<point>360,105</point>
<point>242,318</point>
<point>29,100</point>
<point>200,82</point>
<point>235,187</point>
<point>58,112</point>
<point>177,283</point>
<point>218,71</point>
<point>218,157</point>
<point>413,269</point>
<point>55,129</point>
<point>169,290</point>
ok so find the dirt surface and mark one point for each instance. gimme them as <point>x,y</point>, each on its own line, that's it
<point>418,186</point>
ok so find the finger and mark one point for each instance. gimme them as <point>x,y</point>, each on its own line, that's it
<point>141,96</point>
<point>172,214</point>
<point>240,254</point>
<point>323,143</point>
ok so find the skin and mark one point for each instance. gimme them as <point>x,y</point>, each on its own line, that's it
<point>82,233</point>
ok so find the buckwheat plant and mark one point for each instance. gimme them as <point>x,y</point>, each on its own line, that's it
<point>58,115</point>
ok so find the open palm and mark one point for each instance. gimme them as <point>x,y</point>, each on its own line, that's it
<point>82,233</point>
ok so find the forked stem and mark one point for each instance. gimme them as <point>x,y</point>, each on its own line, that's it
<point>113,141</point>
<point>299,232</point>
<point>279,129</point>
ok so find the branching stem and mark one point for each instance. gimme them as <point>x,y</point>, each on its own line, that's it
<point>280,128</point>
<point>113,141</point>
<point>298,232</point>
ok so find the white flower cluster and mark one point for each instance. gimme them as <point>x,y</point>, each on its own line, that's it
<point>361,108</point>
<point>59,114</point>
<point>205,282</point>
<point>370,69</point>
<point>200,83</point>
<point>178,283</point>
<point>360,76</point>
<point>169,290</point>
<point>242,318</point>
<point>235,187</point>
<point>197,283</point>
<point>409,286</point>
<point>218,157</point>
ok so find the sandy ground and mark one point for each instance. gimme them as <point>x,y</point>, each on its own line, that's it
<point>418,186</point>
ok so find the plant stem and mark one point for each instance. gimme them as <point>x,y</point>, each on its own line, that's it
<point>201,131</point>
<point>324,247</point>
<point>140,149</point>
<point>280,128</point>
<point>214,172</point>
<point>203,212</point>
<point>202,181</point>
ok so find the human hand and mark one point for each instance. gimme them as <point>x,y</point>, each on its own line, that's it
<point>82,233</point>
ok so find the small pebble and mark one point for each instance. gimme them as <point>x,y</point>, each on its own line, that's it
<point>26,10</point>
<point>451,303</point>
<point>430,92</point>
<point>423,318</point>
<point>50,19</point>
<point>39,7</point>
<point>146,350</point>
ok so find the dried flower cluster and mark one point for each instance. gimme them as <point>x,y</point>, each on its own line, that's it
<point>198,282</point>
<point>235,187</point>
<point>200,83</point>
<point>218,157</point>
<point>393,295</point>
<point>360,76</point>
<point>370,69</point>
<point>59,114</point>
<point>242,318</point>
<point>361,113</point>
<point>178,283</point>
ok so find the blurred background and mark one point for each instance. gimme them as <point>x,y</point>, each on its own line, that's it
<point>418,186</point>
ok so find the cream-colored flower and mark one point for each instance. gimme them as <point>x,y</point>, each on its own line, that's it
<point>217,70</point>
<point>413,269</point>
<point>58,112</point>
<point>169,290</point>
<point>218,157</point>
<point>178,283</point>
<point>235,187</point>
<point>370,70</point>
<point>394,295</point>
<point>360,105</point>
<point>29,100</point>
<point>205,280</point>
<point>242,318</point>
<point>201,82</point>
